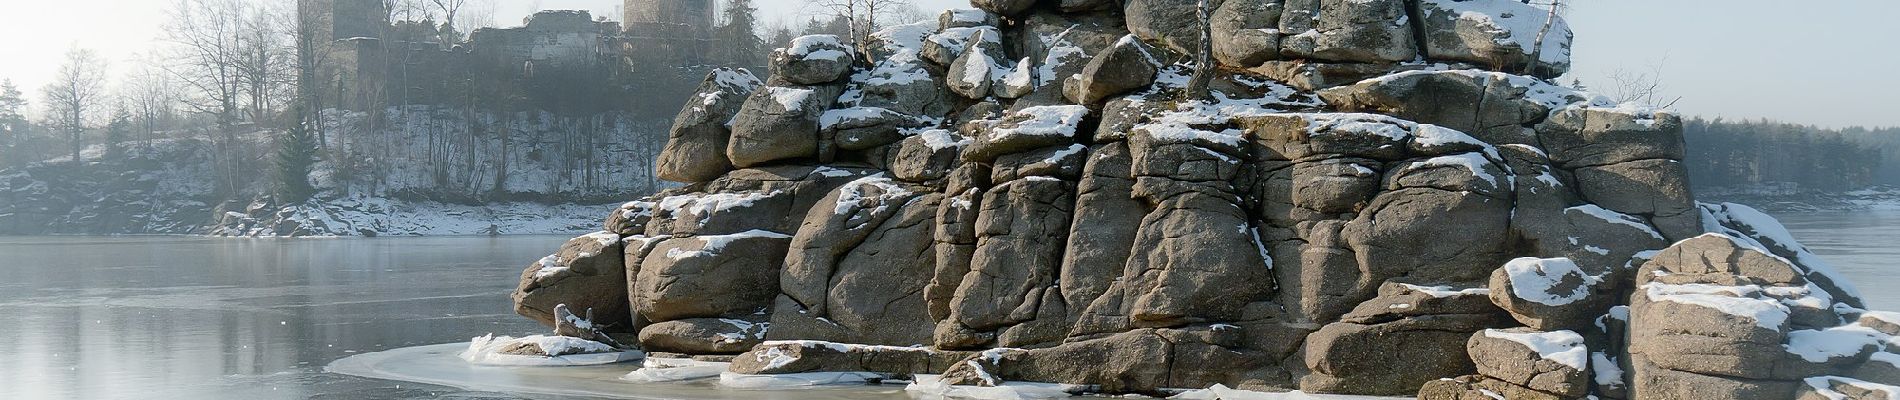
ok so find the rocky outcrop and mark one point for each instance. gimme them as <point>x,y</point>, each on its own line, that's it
<point>1022,193</point>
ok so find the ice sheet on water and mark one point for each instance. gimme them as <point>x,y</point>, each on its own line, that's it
<point>562,350</point>
<point>795,381</point>
<point>674,370</point>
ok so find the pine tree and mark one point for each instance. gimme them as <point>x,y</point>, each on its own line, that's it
<point>12,120</point>
<point>739,43</point>
<point>117,131</point>
<point>296,152</point>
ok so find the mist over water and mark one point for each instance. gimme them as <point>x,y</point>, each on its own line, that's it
<point>221,318</point>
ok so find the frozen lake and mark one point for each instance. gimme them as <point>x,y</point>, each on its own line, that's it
<point>251,319</point>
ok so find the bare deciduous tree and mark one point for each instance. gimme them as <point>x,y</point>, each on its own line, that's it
<point>864,16</point>
<point>1641,87</point>
<point>1550,21</point>
<point>152,96</point>
<point>76,94</point>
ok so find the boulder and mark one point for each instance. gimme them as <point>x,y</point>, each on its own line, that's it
<point>859,268</point>
<point>1137,361</point>
<point>862,128</point>
<point>1388,359</point>
<point>975,70</point>
<point>813,60</point>
<point>1548,294</point>
<point>1494,107</point>
<point>1191,241</point>
<point>1125,66</point>
<point>927,156</point>
<point>1311,75</point>
<point>709,276</point>
<point>630,218</point>
<point>779,123</point>
<point>587,274</point>
<point>1553,362</point>
<point>1028,129</point>
<point>1011,267</point>
<point>696,146</point>
<point>1335,186</point>
<point>1579,137</point>
<point>964,18</point>
<point>1003,7</point>
<point>1171,23</point>
<point>1107,219</point>
<point>1365,31</point>
<point>1479,387</point>
<point>943,48</point>
<point>1246,33</point>
<point>1502,34</point>
<point>1060,162</point>
<point>1657,188</point>
<point>703,336</point>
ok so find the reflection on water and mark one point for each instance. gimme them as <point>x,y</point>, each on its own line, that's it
<point>207,318</point>
<point>202,318</point>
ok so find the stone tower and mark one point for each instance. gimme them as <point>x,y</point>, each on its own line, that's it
<point>676,30</point>
<point>679,16</point>
<point>346,19</point>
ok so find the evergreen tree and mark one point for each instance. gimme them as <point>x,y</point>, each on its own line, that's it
<point>296,152</point>
<point>12,120</point>
<point>12,107</point>
<point>739,43</point>
<point>781,37</point>
<point>117,131</point>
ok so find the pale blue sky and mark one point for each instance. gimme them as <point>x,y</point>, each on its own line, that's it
<point>1828,62</point>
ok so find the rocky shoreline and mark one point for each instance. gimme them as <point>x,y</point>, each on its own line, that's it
<point>1378,197</point>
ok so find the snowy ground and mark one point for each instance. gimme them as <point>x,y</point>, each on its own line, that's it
<point>374,216</point>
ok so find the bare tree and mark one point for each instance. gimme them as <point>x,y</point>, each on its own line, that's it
<point>1641,87</point>
<point>152,97</point>
<point>1550,20</point>
<point>264,66</point>
<point>863,17</point>
<point>76,94</point>
<point>208,39</point>
<point>450,10</point>
<point>477,14</point>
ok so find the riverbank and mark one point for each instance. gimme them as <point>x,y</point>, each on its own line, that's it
<point>1877,198</point>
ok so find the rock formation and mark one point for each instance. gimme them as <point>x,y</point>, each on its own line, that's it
<point>1379,197</point>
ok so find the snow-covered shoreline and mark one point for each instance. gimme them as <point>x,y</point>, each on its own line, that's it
<point>375,216</point>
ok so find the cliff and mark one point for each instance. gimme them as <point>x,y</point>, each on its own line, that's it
<point>1378,197</point>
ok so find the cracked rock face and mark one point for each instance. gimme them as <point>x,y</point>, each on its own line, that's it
<point>1376,198</point>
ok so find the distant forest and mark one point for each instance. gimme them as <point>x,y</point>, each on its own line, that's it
<point>1762,154</point>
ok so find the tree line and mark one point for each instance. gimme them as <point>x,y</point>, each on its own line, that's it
<point>1754,153</point>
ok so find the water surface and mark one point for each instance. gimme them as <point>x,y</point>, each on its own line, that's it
<point>254,319</point>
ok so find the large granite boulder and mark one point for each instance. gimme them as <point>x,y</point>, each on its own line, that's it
<point>696,147</point>
<point>812,60</point>
<point>1503,34</point>
<point>586,275</point>
<point>709,276</point>
<point>1364,31</point>
<point>1127,65</point>
<point>779,123</point>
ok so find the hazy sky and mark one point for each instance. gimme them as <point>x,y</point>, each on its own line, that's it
<point>1830,63</point>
